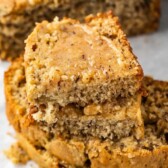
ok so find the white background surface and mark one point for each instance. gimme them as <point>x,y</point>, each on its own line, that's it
<point>152,52</point>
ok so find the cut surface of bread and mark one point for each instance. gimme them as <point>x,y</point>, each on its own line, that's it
<point>70,122</point>
<point>18,18</point>
<point>74,63</point>
<point>49,150</point>
<point>156,103</point>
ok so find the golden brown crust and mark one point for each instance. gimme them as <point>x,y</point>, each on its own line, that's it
<point>11,103</point>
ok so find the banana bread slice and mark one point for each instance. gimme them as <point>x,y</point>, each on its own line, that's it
<point>18,18</point>
<point>70,122</point>
<point>156,103</point>
<point>73,63</point>
<point>101,121</point>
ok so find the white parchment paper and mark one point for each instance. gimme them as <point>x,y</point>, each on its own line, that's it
<point>152,53</point>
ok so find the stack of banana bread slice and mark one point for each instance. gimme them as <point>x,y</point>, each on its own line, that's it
<point>50,151</point>
<point>18,17</point>
<point>75,98</point>
<point>82,80</point>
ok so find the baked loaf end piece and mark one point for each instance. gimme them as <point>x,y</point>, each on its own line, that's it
<point>71,62</point>
<point>156,103</point>
<point>18,18</point>
<point>40,145</point>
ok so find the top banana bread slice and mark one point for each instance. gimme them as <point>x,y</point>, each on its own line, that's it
<point>70,62</point>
